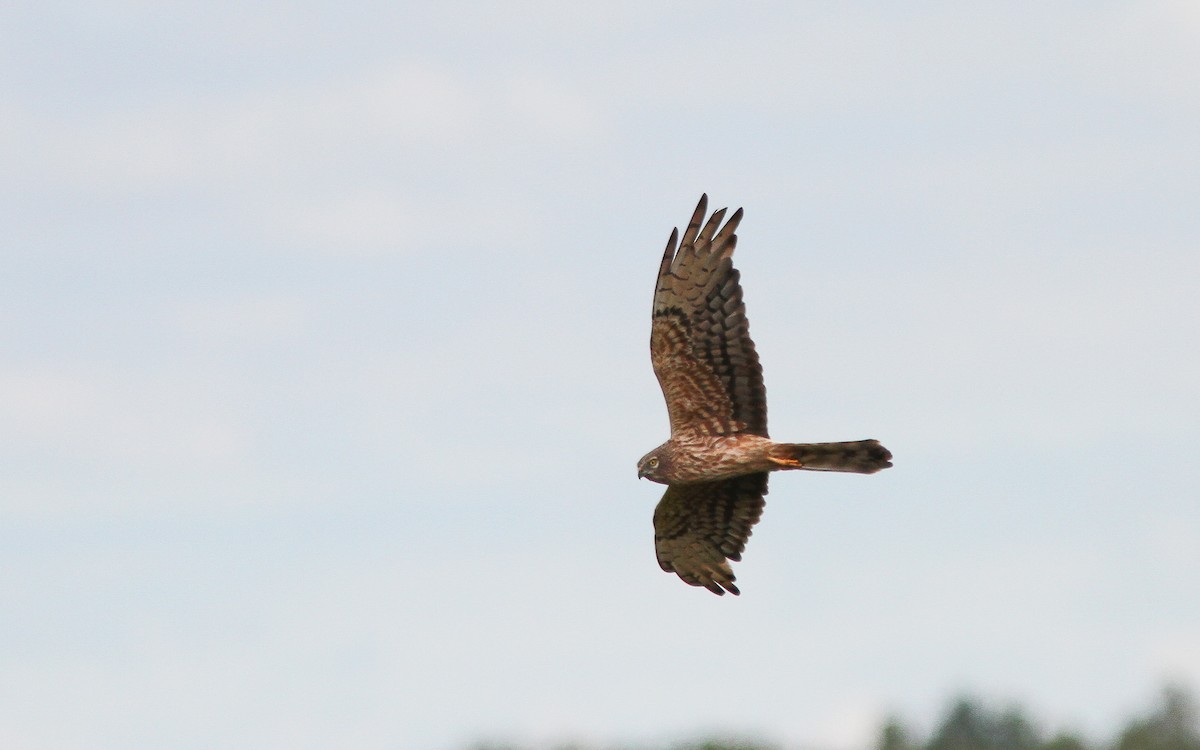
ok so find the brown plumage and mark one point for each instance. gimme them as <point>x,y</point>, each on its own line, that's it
<point>716,462</point>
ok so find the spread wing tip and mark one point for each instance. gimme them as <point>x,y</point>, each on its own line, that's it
<point>669,253</point>
<point>697,217</point>
<point>722,241</point>
<point>720,587</point>
<point>717,581</point>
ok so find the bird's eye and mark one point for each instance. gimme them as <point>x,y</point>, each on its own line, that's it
<point>653,463</point>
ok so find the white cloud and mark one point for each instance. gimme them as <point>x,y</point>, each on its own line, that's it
<point>67,426</point>
<point>179,139</point>
<point>385,113</point>
<point>1176,656</point>
<point>253,318</point>
<point>546,107</point>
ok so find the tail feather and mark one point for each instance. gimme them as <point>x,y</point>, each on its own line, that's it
<point>860,456</point>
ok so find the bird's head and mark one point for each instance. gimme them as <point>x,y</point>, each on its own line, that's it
<point>656,465</point>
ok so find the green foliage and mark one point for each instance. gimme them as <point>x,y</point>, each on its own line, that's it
<point>970,724</point>
<point>895,736</point>
<point>1172,727</point>
<point>723,745</point>
<point>1065,741</point>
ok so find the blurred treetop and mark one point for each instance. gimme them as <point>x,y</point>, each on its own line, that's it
<point>970,724</point>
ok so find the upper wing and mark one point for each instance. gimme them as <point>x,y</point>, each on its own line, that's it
<point>700,340</point>
<point>699,528</point>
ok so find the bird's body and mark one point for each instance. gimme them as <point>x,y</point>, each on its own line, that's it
<point>717,459</point>
<point>695,458</point>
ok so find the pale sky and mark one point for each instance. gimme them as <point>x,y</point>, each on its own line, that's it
<point>325,367</point>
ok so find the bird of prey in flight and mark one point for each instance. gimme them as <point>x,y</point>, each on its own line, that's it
<point>715,464</point>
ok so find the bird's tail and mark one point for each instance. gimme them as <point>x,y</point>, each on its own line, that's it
<point>860,456</point>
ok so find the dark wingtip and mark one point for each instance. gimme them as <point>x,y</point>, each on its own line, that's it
<point>882,455</point>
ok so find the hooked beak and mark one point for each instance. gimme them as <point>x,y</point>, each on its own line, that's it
<point>641,473</point>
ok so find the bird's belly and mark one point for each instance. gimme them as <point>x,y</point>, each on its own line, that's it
<point>721,457</point>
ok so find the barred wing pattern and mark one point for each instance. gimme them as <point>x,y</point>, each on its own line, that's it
<point>712,382</point>
<point>700,340</point>
<point>699,528</point>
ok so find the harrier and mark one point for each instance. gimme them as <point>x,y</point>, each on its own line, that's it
<point>715,465</point>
